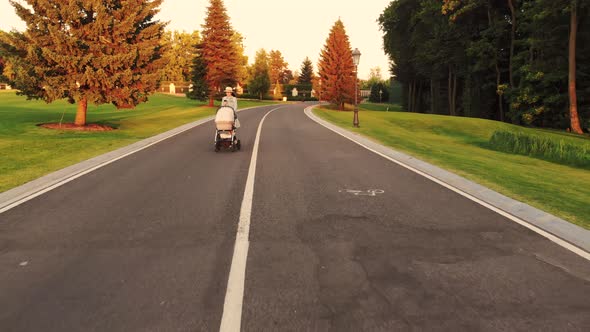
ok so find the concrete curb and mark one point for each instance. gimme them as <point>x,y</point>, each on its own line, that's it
<point>574,235</point>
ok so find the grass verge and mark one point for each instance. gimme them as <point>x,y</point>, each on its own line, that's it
<point>28,151</point>
<point>461,145</point>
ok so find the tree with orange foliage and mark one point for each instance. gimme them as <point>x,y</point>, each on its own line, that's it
<point>277,67</point>
<point>220,52</point>
<point>336,68</point>
<point>87,51</point>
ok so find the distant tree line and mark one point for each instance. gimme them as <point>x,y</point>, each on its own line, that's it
<point>520,61</point>
<point>90,52</point>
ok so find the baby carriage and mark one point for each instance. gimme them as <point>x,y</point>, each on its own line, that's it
<point>225,133</point>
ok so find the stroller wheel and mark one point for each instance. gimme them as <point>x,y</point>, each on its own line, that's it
<point>234,145</point>
<point>217,148</point>
<point>239,145</point>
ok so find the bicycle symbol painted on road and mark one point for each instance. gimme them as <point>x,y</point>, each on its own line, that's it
<point>370,192</point>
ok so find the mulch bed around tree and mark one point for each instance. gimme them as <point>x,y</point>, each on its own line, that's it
<point>71,126</point>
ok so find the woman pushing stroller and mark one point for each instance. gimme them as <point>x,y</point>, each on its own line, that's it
<point>226,122</point>
<point>230,100</point>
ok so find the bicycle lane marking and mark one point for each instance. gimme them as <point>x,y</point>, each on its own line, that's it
<point>232,308</point>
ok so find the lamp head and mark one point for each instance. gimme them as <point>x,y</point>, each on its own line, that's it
<point>356,56</point>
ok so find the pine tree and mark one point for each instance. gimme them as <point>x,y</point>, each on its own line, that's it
<point>219,49</point>
<point>306,76</point>
<point>89,51</point>
<point>336,67</point>
<point>259,77</point>
<point>200,90</point>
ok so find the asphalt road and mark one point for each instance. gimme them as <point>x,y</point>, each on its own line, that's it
<point>341,239</point>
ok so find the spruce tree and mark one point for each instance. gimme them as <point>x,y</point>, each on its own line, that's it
<point>306,76</point>
<point>89,51</point>
<point>219,49</point>
<point>200,89</point>
<point>336,67</point>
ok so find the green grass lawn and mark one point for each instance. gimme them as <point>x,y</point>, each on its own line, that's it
<point>28,151</point>
<point>461,145</point>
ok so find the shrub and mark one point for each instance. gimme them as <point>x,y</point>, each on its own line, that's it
<point>572,152</point>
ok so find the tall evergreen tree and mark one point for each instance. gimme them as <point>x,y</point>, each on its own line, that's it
<point>336,67</point>
<point>89,51</point>
<point>200,90</point>
<point>306,76</point>
<point>259,83</point>
<point>219,49</point>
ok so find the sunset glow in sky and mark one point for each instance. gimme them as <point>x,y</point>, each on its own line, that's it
<point>296,28</point>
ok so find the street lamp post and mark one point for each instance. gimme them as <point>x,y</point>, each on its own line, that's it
<point>380,93</point>
<point>320,92</point>
<point>356,58</point>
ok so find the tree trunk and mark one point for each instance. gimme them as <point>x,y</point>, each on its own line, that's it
<point>414,96</point>
<point>410,97</point>
<point>574,118</point>
<point>512,40</point>
<point>450,92</point>
<point>499,93</point>
<point>431,96</point>
<point>455,94</point>
<point>81,112</point>
<point>211,101</point>
<point>498,74</point>
<point>419,98</point>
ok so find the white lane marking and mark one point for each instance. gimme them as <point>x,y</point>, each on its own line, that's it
<point>532,227</point>
<point>59,183</point>
<point>234,296</point>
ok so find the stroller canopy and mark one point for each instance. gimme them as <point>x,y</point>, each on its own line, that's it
<point>224,119</point>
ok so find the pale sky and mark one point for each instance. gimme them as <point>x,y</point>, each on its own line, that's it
<point>295,28</point>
